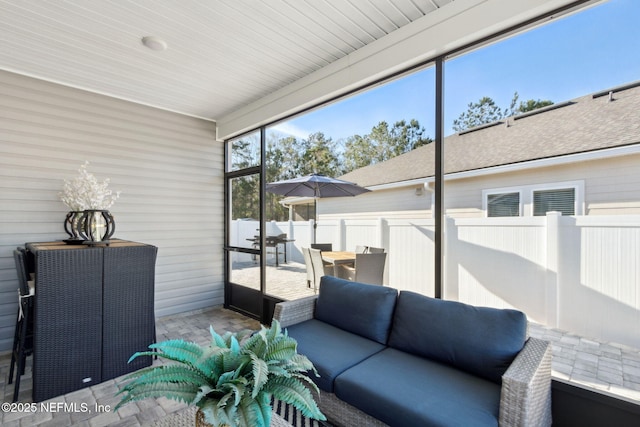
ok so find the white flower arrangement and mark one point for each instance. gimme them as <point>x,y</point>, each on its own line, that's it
<point>86,192</point>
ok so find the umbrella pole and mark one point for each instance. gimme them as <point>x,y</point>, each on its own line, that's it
<point>315,214</point>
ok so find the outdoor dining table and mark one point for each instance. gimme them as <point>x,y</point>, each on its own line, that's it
<point>338,258</point>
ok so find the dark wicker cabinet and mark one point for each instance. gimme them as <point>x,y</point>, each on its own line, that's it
<point>94,308</point>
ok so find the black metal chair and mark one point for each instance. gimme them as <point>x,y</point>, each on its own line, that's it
<point>23,335</point>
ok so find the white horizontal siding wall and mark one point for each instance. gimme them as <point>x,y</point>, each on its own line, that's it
<point>611,185</point>
<point>390,201</point>
<point>169,168</point>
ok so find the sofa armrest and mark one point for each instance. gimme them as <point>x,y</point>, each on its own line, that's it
<point>526,387</point>
<point>291,312</point>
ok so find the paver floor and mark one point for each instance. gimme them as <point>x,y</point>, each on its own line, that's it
<point>606,367</point>
<point>68,410</point>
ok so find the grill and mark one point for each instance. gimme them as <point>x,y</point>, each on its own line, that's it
<point>273,242</point>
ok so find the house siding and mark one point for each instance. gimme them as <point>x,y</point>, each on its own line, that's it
<point>614,187</point>
<point>391,202</point>
<point>169,168</point>
<point>611,186</point>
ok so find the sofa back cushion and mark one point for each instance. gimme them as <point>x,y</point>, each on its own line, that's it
<point>366,310</point>
<point>480,340</point>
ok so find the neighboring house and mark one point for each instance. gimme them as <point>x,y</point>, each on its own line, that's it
<point>580,157</point>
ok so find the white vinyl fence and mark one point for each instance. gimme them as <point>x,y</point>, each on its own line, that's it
<point>580,274</point>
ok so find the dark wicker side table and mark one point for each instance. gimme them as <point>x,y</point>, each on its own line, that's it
<point>94,307</point>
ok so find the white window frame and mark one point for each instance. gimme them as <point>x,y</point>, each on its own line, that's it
<point>504,190</point>
<point>526,195</point>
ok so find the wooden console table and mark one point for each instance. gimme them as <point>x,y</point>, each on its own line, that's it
<point>93,308</point>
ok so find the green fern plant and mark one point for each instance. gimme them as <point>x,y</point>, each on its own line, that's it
<point>232,380</point>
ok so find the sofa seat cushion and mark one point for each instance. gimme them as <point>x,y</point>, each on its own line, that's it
<point>401,389</point>
<point>480,340</point>
<point>366,310</point>
<point>330,349</point>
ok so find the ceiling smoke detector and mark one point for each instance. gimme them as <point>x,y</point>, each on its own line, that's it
<point>154,43</point>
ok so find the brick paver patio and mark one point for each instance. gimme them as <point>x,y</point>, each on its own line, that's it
<point>606,367</point>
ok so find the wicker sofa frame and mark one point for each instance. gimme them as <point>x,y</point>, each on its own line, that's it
<point>525,399</point>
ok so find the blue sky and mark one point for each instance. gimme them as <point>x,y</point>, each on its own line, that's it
<point>574,56</point>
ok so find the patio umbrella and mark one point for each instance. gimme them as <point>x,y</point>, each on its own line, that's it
<point>316,186</point>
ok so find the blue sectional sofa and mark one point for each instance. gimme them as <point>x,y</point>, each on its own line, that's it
<point>404,359</point>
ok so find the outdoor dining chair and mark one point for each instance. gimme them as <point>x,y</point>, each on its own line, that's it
<point>307,262</point>
<point>323,247</point>
<point>320,267</point>
<point>372,250</point>
<point>23,334</point>
<point>361,249</point>
<point>327,247</point>
<point>368,268</point>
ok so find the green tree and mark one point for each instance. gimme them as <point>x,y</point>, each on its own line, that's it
<point>532,104</point>
<point>245,153</point>
<point>283,162</point>
<point>283,158</point>
<point>487,111</point>
<point>289,157</point>
<point>358,152</point>
<point>408,136</point>
<point>524,106</point>
<point>245,193</point>
<point>319,155</point>
<point>478,113</point>
<point>383,143</point>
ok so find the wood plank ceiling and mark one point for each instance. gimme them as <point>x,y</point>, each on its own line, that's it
<point>221,55</point>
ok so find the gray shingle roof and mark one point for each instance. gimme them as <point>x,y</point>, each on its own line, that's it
<point>584,124</point>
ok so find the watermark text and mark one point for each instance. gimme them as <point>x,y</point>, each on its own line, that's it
<point>53,407</point>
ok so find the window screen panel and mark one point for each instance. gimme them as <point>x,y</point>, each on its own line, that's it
<point>505,204</point>
<point>561,200</point>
